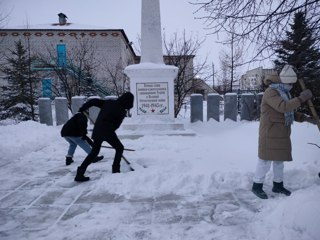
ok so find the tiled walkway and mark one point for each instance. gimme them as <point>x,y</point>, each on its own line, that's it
<point>30,207</point>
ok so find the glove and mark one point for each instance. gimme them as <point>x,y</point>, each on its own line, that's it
<point>305,95</point>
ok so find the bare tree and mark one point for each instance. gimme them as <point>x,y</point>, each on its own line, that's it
<point>230,60</point>
<point>75,75</point>
<point>256,22</point>
<point>180,52</point>
<point>3,18</point>
<point>116,81</point>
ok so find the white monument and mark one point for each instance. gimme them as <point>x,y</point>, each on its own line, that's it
<point>151,81</point>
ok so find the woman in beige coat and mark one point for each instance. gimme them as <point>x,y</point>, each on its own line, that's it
<point>277,115</point>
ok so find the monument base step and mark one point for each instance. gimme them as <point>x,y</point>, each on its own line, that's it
<point>134,131</point>
<point>153,126</point>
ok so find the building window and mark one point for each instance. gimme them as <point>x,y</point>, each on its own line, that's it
<point>61,55</point>
<point>46,88</point>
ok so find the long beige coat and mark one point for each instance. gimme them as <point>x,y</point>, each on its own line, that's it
<point>274,136</point>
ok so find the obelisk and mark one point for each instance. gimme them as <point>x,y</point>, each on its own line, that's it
<point>151,38</point>
<point>151,81</point>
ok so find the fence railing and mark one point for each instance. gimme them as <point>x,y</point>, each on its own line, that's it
<point>247,106</point>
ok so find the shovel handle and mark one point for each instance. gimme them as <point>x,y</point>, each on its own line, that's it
<point>310,104</point>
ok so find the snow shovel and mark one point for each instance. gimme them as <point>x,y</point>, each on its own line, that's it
<point>129,164</point>
<point>125,149</point>
<point>312,109</point>
<point>310,104</point>
<point>287,73</point>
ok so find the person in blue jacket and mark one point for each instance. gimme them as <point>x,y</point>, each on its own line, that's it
<point>112,112</point>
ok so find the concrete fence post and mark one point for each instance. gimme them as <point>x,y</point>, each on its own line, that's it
<point>247,109</point>
<point>76,103</point>
<point>45,111</point>
<point>230,106</point>
<point>196,107</point>
<point>93,111</point>
<point>213,105</point>
<point>61,107</point>
<point>258,104</point>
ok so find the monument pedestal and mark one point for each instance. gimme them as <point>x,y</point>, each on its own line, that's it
<point>153,110</point>
<point>151,81</point>
<point>153,87</point>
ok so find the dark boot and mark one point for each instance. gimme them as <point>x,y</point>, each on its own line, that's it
<point>69,160</point>
<point>258,191</point>
<point>115,168</point>
<point>97,159</point>
<point>80,175</point>
<point>278,188</point>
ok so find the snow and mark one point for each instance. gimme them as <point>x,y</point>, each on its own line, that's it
<point>193,187</point>
<point>57,26</point>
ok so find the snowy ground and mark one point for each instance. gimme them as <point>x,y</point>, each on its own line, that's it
<point>194,187</point>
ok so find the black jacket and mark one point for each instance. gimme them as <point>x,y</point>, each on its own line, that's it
<point>111,114</point>
<point>76,126</point>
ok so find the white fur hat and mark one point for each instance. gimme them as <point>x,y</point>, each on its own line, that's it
<point>287,75</point>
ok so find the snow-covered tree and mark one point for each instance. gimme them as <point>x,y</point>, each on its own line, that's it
<point>299,49</point>
<point>19,96</point>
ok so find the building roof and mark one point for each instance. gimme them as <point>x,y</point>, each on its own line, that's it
<point>57,26</point>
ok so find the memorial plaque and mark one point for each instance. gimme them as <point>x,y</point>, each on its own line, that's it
<point>152,98</point>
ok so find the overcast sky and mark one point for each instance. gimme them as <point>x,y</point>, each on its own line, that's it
<point>176,16</point>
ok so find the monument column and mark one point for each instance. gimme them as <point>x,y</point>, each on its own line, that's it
<point>151,39</point>
<point>151,81</point>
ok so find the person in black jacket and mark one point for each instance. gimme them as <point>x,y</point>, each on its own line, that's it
<point>108,121</point>
<point>74,131</point>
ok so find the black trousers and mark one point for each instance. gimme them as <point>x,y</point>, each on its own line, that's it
<point>114,142</point>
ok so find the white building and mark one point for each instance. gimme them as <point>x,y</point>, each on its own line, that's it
<point>107,49</point>
<point>252,79</point>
